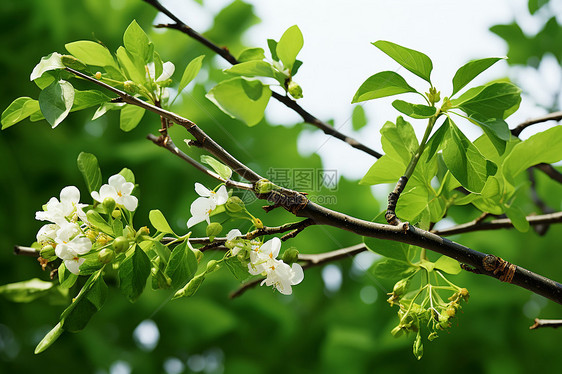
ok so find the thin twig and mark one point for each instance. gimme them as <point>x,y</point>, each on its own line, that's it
<point>557,116</point>
<point>26,251</point>
<point>553,323</point>
<point>287,101</point>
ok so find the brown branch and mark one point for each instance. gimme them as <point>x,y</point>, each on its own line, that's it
<point>554,323</point>
<point>287,101</point>
<point>26,251</point>
<point>556,116</point>
<point>496,224</point>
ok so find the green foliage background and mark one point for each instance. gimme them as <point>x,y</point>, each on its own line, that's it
<point>311,331</point>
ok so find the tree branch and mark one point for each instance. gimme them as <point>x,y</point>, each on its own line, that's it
<point>288,102</point>
<point>556,116</point>
<point>554,323</point>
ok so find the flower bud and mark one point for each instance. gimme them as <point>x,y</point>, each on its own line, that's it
<point>98,75</point>
<point>401,287</point>
<point>212,266</point>
<point>234,204</point>
<point>108,204</point>
<point>165,83</point>
<point>131,87</point>
<point>116,213</point>
<point>72,62</point>
<point>48,252</point>
<point>198,254</point>
<point>102,239</point>
<point>213,229</point>
<point>264,186</point>
<point>106,255</point>
<point>295,90</point>
<point>291,255</point>
<point>397,331</point>
<point>418,347</point>
<point>143,231</point>
<point>121,244</point>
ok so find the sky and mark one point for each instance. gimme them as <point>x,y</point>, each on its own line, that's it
<point>338,57</point>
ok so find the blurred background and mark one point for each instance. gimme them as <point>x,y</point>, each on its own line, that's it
<point>338,319</point>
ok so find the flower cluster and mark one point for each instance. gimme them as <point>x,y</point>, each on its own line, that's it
<point>263,261</point>
<point>69,232</point>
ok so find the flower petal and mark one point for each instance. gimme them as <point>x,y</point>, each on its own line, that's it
<point>298,274</point>
<point>70,194</point>
<point>202,190</point>
<point>130,202</point>
<point>73,265</point>
<point>221,195</point>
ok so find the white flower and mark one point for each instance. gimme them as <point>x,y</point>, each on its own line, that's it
<point>282,276</point>
<point>218,197</point>
<point>119,190</point>
<point>47,233</point>
<point>60,211</point>
<point>168,69</point>
<point>202,207</point>
<point>69,252</point>
<point>66,232</point>
<point>233,245</point>
<point>267,251</point>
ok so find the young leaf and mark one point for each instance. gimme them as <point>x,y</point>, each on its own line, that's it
<point>159,222</point>
<point>241,98</point>
<point>136,41</point>
<point>97,221</point>
<point>19,109</point>
<point>493,101</point>
<point>26,291</point>
<point>133,272</point>
<point>237,268</point>
<point>390,268</point>
<point>66,278</point>
<point>224,171</point>
<point>358,118</point>
<point>416,62</point>
<point>253,69</point>
<point>128,175</point>
<point>85,305</point>
<point>251,54</point>
<point>90,53</point>
<point>517,217</point>
<point>399,139</point>
<point>190,72</point>
<point>471,70</point>
<point>386,169</point>
<point>88,166</point>
<point>448,265</point>
<point>87,99</point>
<point>496,129</point>
<point>49,339</point>
<point>272,45</point>
<point>132,65</point>
<point>47,63</point>
<point>289,46</point>
<point>417,111</point>
<point>385,83</point>
<point>181,266</point>
<point>56,101</point>
<point>464,160</point>
<point>130,117</point>
<point>434,144</point>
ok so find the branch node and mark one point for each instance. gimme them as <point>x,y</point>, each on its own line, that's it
<point>500,268</point>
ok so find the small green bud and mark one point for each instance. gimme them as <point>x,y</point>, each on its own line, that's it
<point>295,90</point>
<point>433,95</point>
<point>48,252</point>
<point>397,331</point>
<point>446,104</point>
<point>191,287</point>
<point>291,255</point>
<point>121,244</point>
<point>116,213</point>
<point>143,231</point>
<point>128,232</point>
<point>213,229</point>
<point>418,347</point>
<point>212,266</point>
<point>264,186</point>
<point>432,336</point>
<point>108,204</point>
<point>131,87</point>
<point>72,62</point>
<point>401,287</point>
<point>198,254</point>
<point>106,255</point>
<point>235,204</point>
<point>165,83</point>
<point>98,75</point>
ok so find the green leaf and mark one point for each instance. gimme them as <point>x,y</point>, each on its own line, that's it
<point>87,99</point>
<point>130,117</point>
<point>417,111</point>
<point>224,171</point>
<point>413,201</point>
<point>49,339</point>
<point>289,46</point>
<point>493,101</point>
<point>251,54</point>
<point>26,291</point>
<point>66,278</point>
<point>159,222</point>
<point>517,217</point>
<point>416,62</point>
<point>448,265</point>
<point>88,166</point>
<point>190,72</point>
<point>18,110</point>
<point>133,272</point>
<point>389,268</point>
<point>471,70</point>
<point>535,5</point>
<point>90,53</point>
<point>241,98</point>
<point>136,41</point>
<point>238,269</point>
<point>182,265</point>
<point>47,63</point>
<point>464,160</point>
<point>358,118</point>
<point>434,144</point>
<point>56,101</point>
<point>85,305</point>
<point>98,222</point>
<point>399,139</point>
<point>253,69</point>
<point>132,65</point>
<point>386,169</point>
<point>541,147</point>
<point>128,175</point>
<point>272,45</point>
<point>385,83</point>
<point>191,287</point>
<point>396,250</point>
